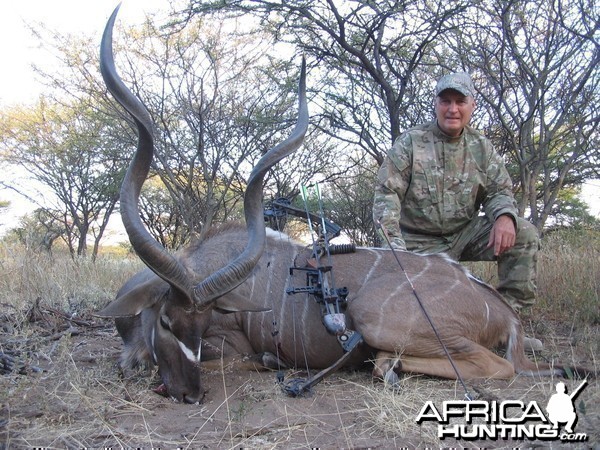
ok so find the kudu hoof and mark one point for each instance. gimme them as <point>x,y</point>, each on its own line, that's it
<point>391,379</point>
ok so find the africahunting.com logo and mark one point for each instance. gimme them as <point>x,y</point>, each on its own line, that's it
<point>511,419</point>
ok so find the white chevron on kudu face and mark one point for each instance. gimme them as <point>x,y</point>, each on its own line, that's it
<point>189,354</point>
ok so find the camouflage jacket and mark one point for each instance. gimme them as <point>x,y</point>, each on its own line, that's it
<point>430,183</point>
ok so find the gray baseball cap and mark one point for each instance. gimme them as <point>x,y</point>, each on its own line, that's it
<point>459,81</point>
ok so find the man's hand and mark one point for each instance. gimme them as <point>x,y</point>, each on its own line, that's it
<point>503,235</point>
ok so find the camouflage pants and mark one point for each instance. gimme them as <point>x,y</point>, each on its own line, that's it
<point>517,267</point>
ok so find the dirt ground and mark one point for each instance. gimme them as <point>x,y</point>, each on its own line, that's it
<point>63,390</point>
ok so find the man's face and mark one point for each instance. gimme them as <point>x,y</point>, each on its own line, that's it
<point>453,111</point>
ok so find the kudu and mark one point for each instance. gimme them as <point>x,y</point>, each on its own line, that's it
<point>197,305</point>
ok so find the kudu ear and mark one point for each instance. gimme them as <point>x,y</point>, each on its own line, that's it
<point>233,302</point>
<point>134,301</point>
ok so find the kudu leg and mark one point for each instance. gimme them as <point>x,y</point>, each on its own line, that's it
<point>232,350</point>
<point>385,364</point>
<point>477,366</point>
<point>470,359</point>
<point>238,363</point>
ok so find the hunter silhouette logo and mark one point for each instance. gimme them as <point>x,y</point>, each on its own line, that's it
<point>510,419</point>
<point>560,406</point>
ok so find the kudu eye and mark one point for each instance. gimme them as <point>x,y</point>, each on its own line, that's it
<point>165,322</point>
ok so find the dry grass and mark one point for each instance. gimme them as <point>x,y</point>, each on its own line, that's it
<point>45,319</point>
<point>70,285</point>
<point>66,391</point>
<point>393,412</point>
<point>568,276</point>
